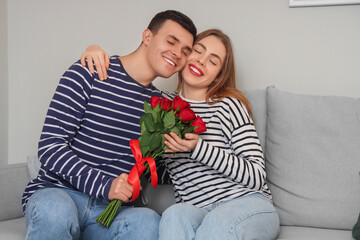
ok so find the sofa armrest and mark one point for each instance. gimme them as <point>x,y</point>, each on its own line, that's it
<point>13,180</point>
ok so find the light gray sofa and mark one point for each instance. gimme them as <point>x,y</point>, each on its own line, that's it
<point>312,150</point>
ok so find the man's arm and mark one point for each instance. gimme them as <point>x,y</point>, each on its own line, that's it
<point>62,122</point>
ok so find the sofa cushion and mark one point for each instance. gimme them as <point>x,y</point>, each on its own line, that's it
<point>13,180</point>
<point>14,229</point>
<point>307,233</point>
<point>312,154</point>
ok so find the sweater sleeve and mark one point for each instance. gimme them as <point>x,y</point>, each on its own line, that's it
<point>62,122</point>
<point>244,163</point>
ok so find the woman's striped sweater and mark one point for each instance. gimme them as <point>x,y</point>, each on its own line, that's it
<point>227,162</point>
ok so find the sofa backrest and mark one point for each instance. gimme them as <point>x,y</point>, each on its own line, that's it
<point>313,158</point>
<point>257,100</point>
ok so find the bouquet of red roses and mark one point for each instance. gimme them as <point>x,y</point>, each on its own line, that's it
<point>162,116</point>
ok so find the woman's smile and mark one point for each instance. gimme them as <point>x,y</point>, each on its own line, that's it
<point>195,71</point>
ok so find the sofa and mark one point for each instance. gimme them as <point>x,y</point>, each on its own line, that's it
<point>312,150</point>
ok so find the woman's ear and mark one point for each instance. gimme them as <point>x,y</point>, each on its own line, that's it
<point>146,36</point>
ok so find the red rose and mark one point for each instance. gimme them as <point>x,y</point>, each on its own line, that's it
<point>187,115</point>
<point>199,124</point>
<point>166,104</point>
<point>179,104</point>
<point>154,101</point>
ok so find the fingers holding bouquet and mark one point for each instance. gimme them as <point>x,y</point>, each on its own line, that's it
<point>121,189</point>
<point>177,144</point>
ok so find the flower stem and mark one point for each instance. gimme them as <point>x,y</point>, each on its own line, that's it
<point>108,215</point>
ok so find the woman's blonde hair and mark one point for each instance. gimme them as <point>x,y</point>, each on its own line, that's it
<point>225,83</point>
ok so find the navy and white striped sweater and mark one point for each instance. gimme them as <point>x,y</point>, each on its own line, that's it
<point>227,161</point>
<point>84,143</point>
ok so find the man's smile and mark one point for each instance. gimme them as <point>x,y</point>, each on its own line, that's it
<point>169,61</point>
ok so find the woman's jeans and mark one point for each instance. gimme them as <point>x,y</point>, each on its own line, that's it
<point>57,213</point>
<point>247,217</point>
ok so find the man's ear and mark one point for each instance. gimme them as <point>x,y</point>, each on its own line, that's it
<point>146,36</point>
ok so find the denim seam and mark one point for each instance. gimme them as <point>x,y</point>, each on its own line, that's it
<point>86,215</point>
<point>195,227</point>
<point>125,228</point>
<point>249,216</point>
<point>33,212</point>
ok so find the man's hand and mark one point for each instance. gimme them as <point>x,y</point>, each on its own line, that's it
<point>95,55</point>
<point>121,189</point>
<point>176,144</point>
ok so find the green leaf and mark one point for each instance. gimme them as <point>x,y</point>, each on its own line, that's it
<point>188,130</point>
<point>155,141</point>
<point>147,107</point>
<point>176,131</point>
<point>159,126</point>
<point>163,146</point>
<point>157,108</point>
<point>169,119</point>
<point>148,120</point>
<point>158,149</point>
<point>180,126</point>
<point>144,150</point>
<point>145,140</point>
<point>155,112</point>
<point>143,127</point>
<point>156,115</point>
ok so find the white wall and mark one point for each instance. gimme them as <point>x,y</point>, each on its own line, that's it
<point>303,50</point>
<point>3,85</point>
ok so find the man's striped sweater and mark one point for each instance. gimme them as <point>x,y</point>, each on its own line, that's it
<point>84,143</point>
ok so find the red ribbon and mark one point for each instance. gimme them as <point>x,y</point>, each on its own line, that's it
<point>139,168</point>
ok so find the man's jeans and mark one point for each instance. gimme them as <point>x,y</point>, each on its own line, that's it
<point>248,217</point>
<point>57,213</point>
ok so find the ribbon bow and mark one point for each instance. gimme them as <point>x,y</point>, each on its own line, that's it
<point>139,168</point>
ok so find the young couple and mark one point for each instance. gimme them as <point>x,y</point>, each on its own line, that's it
<point>219,177</point>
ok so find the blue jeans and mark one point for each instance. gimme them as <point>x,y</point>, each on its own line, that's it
<point>56,213</point>
<point>247,217</point>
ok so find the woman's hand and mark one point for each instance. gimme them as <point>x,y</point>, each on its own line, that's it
<point>176,144</point>
<point>95,55</point>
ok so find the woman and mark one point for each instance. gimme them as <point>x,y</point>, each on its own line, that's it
<point>219,177</point>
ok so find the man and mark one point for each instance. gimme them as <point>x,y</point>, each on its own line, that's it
<point>84,146</point>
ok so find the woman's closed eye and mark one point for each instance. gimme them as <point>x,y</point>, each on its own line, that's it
<point>212,62</point>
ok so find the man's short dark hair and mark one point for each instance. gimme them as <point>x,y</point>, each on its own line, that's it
<point>176,16</point>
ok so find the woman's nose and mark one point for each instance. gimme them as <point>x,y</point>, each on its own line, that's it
<point>202,60</point>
